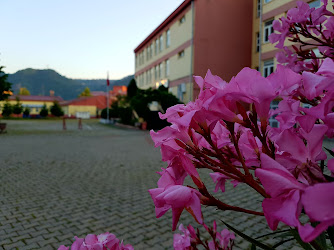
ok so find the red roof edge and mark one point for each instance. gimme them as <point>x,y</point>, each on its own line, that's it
<point>164,24</point>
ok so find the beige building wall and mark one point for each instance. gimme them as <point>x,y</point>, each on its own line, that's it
<point>177,55</point>
<point>73,109</point>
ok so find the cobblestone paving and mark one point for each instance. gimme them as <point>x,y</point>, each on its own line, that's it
<point>55,184</point>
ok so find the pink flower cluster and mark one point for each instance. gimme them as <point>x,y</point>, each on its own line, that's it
<point>189,239</point>
<point>301,24</point>
<point>105,241</point>
<point>226,129</point>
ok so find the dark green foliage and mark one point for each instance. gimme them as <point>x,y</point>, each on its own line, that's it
<point>56,109</point>
<point>44,111</point>
<point>126,115</point>
<point>5,86</point>
<point>132,88</point>
<point>143,97</point>
<point>7,109</point>
<point>26,112</point>
<point>17,107</point>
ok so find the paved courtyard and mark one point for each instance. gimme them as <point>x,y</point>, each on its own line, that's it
<point>56,184</point>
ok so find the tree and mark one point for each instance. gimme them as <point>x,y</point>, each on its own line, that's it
<point>5,86</point>
<point>56,109</point>
<point>24,91</point>
<point>44,111</point>
<point>86,92</point>
<point>132,88</point>
<point>26,112</point>
<point>7,109</point>
<point>17,108</point>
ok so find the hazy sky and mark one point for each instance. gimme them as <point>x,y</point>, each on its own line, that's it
<point>77,38</point>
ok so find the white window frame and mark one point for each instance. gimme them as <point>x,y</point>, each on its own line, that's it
<point>268,67</point>
<point>167,38</point>
<point>161,67</point>
<point>167,67</point>
<point>156,46</point>
<point>161,43</point>
<point>268,29</point>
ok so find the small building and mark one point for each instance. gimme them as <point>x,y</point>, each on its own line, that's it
<point>33,102</point>
<point>91,106</point>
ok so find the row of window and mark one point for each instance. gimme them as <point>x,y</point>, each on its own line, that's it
<point>154,74</point>
<point>156,46</point>
<point>268,26</point>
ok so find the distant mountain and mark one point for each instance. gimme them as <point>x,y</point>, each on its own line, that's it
<point>40,82</point>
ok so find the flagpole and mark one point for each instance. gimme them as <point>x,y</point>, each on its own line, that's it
<point>108,98</point>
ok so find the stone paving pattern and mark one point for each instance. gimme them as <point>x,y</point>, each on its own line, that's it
<point>56,184</point>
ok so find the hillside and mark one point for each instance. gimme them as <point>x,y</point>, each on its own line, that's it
<point>40,82</point>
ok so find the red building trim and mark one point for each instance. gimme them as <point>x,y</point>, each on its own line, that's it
<point>281,9</point>
<point>179,81</point>
<point>168,21</point>
<point>165,57</point>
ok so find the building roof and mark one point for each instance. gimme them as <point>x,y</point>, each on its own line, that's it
<point>36,98</point>
<point>99,101</point>
<point>167,21</point>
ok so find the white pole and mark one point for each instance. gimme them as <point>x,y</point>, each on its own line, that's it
<point>108,98</point>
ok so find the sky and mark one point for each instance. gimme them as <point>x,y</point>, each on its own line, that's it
<point>80,39</point>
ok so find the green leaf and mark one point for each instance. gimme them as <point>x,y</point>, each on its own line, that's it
<point>282,242</point>
<point>276,232</point>
<point>248,238</point>
<point>330,151</point>
<point>304,245</point>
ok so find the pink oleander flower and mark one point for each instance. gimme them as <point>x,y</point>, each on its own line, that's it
<point>220,180</point>
<point>289,197</point>
<point>226,239</point>
<point>177,198</point>
<point>182,242</point>
<point>300,159</point>
<point>97,242</point>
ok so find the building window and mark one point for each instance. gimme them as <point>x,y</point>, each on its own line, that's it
<point>315,4</point>
<point>147,53</point>
<point>156,46</point>
<point>272,121</point>
<point>181,89</point>
<point>160,70</point>
<point>268,29</point>
<point>267,1</point>
<point>167,38</point>
<point>181,54</point>
<point>167,67</point>
<point>156,72</point>
<point>161,42</point>
<point>268,67</point>
<point>182,19</point>
<point>257,42</point>
<point>258,13</point>
<point>152,74</point>
<point>151,50</point>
